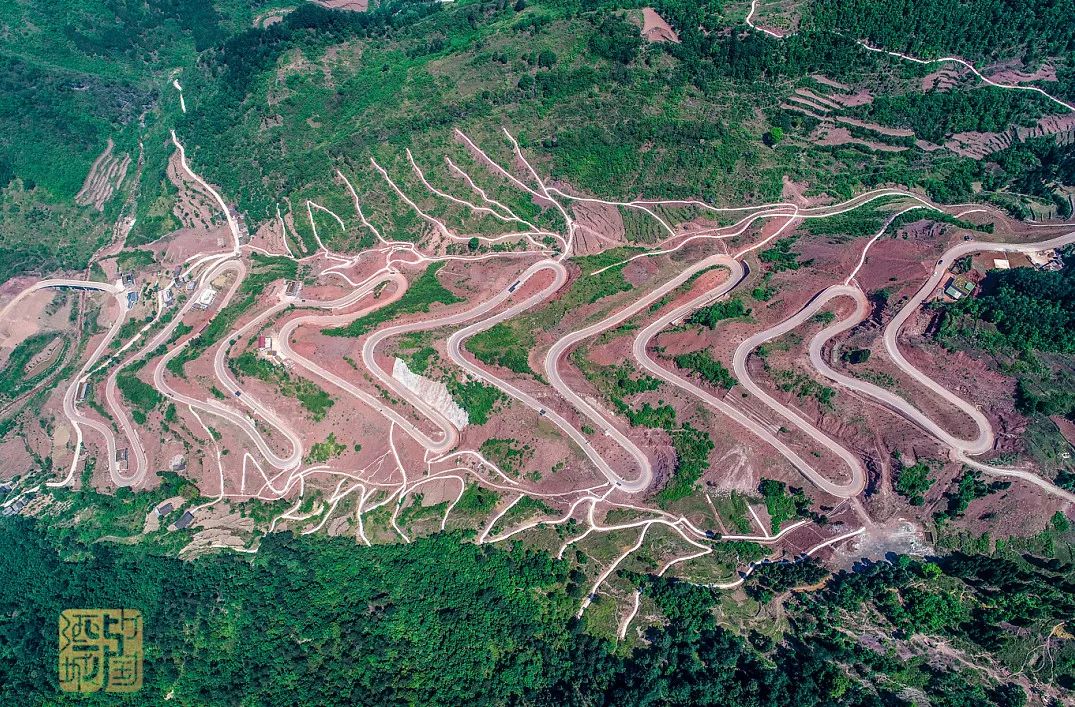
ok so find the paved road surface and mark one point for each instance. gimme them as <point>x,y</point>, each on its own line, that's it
<point>641,353</point>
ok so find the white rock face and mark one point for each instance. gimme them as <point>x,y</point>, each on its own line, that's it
<point>432,392</point>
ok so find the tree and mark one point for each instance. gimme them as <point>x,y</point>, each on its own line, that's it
<point>913,482</point>
<point>855,356</point>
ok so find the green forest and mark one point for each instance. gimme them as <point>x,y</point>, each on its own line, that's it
<point>74,75</point>
<point>972,29</point>
<point>1031,309</point>
<point>1018,312</point>
<point>274,109</point>
<point>317,620</point>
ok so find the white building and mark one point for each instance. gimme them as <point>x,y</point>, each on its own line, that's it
<point>205,299</point>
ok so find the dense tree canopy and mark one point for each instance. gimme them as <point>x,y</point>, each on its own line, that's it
<point>1031,308</point>
<point>973,29</point>
<point>321,621</point>
<point>316,620</point>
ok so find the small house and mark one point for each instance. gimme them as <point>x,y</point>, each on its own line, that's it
<point>206,298</point>
<point>958,287</point>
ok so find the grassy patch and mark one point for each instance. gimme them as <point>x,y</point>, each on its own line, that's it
<point>783,503</point>
<point>654,416</point>
<point>508,454</point>
<point>415,512</point>
<point>505,344</point>
<point>478,399</point>
<point>692,460</point>
<point>855,356</point>
<point>476,500</point>
<point>321,452</point>
<point>133,259</point>
<point>420,360</point>
<point>781,257</point>
<point>968,488</point>
<point>717,312</point>
<point>764,290</point>
<point>732,508</point>
<point>803,386</point>
<point>524,509</point>
<point>913,482</point>
<point>703,363</point>
<point>857,223</point>
<point>143,396</point>
<point>593,286</point>
<point>424,292</point>
<point>13,378</point>
<point>311,396</point>
<point>621,380</point>
<point>126,331</point>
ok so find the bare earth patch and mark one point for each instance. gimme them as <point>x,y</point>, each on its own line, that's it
<point>880,129</point>
<point>843,95</point>
<point>795,192</point>
<point>824,135</point>
<point>829,82</point>
<point>106,175</point>
<point>600,226</point>
<point>24,322</point>
<point>811,96</point>
<point>655,28</point>
<point>1013,72</point>
<point>352,5</point>
<point>978,145</point>
<point>942,80</point>
<point>1049,125</point>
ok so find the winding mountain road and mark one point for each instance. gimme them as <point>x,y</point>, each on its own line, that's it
<point>739,368</point>
<point>455,345</point>
<point>640,350</point>
<point>240,420</point>
<point>961,449</point>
